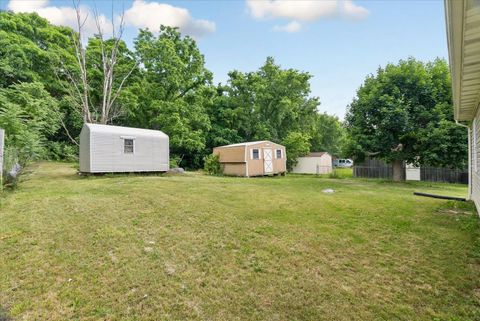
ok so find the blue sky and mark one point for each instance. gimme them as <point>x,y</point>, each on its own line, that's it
<point>339,47</point>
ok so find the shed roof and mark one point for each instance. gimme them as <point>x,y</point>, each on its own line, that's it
<point>127,131</point>
<point>249,143</point>
<point>316,154</point>
<point>463,35</point>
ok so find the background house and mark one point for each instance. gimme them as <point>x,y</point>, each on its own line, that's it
<point>314,163</point>
<point>252,158</point>
<point>108,149</point>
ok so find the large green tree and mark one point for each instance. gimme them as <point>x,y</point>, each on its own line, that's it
<point>31,50</point>
<point>175,90</point>
<point>271,103</point>
<point>268,103</point>
<point>404,113</point>
<point>32,53</point>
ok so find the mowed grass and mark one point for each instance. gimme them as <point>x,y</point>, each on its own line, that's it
<point>194,247</point>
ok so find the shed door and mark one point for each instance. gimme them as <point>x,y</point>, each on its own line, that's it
<point>267,160</point>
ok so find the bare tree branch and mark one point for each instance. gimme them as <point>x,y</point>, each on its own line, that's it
<point>106,111</point>
<point>68,133</point>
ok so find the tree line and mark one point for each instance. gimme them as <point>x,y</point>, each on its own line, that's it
<point>52,80</point>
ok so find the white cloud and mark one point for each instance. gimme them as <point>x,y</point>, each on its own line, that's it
<point>144,14</point>
<point>304,11</point>
<point>351,10</point>
<point>26,5</point>
<point>290,27</point>
<point>63,16</point>
<point>307,10</point>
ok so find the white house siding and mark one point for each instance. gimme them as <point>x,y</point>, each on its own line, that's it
<point>106,150</point>
<point>475,160</point>
<point>84,157</point>
<point>313,165</point>
<point>463,35</point>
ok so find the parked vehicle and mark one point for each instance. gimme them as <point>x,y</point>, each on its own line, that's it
<point>346,163</point>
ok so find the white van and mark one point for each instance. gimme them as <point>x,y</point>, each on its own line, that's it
<point>343,163</point>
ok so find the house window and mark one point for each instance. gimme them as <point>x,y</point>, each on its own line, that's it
<point>279,153</point>
<point>128,146</point>
<point>255,153</point>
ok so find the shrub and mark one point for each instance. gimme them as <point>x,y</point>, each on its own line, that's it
<point>297,144</point>
<point>62,151</point>
<point>212,164</point>
<point>175,162</point>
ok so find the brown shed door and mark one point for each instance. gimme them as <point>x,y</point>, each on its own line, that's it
<point>267,160</point>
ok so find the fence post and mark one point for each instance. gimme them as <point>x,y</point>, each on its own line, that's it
<point>2,141</point>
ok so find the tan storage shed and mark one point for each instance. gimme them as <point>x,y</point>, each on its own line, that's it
<point>314,163</point>
<point>252,158</point>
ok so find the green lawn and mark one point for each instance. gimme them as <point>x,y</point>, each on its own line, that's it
<point>194,247</point>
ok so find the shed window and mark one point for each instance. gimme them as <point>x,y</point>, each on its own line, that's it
<point>278,153</point>
<point>255,153</point>
<point>128,146</point>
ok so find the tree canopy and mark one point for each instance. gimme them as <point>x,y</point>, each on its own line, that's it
<point>404,113</point>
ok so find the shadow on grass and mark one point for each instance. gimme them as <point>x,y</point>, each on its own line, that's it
<point>3,315</point>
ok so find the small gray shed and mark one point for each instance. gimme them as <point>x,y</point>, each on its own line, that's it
<point>115,149</point>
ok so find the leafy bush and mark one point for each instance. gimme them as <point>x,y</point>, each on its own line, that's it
<point>62,151</point>
<point>175,162</point>
<point>212,164</point>
<point>29,116</point>
<point>297,145</point>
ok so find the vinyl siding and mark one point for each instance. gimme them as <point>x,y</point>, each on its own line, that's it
<point>308,165</point>
<point>106,151</point>
<point>84,157</point>
<point>475,161</point>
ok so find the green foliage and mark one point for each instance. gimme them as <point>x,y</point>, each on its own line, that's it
<point>263,105</point>
<point>175,161</point>
<point>174,91</point>
<point>404,112</point>
<point>32,50</point>
<point>29,116</point>
<point>328,135</point>
<point>125,62</point>
<point>297,144</point>
<point>212,164</point>
<point>62,151</point>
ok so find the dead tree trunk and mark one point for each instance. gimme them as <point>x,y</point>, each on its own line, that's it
<point>398,170</point>
<point>107,111</point>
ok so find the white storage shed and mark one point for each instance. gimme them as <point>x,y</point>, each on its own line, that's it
<point>314,163</point>
<point>115,149</point>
